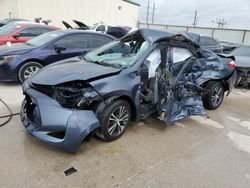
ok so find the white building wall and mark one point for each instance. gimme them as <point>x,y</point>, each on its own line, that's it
<point>8,8</point>
<point>87,11</point>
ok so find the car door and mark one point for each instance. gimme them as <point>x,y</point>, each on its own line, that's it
<point>67,46</point>
<point>180,96</point>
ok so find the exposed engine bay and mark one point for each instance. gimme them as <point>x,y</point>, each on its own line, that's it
<point>75,95</point>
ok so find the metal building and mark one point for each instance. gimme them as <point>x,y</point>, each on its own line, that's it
<point>114,12</point>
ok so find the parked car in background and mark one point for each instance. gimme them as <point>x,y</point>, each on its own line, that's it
<point>9,20</point>
<point>17,32</point>
<point>115,31</point>
<point>20,61</point>
<point>242,60</point>
<point>145,72</point>
<point>228,46</point>
<point>210,43</point>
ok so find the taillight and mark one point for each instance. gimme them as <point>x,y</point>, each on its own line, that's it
<point>231,63</point>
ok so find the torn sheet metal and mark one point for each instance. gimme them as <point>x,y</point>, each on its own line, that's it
<point>176,110</point>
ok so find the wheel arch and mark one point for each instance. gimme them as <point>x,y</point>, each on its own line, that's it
<point>29,60</point>
<point>126,98</point>
<point>223,82</point>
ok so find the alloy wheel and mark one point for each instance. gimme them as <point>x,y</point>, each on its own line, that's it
<point>30,71</point>
<point>217,96</point>
<point>118,120</point>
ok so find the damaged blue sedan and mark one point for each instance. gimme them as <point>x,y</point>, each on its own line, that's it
<point>146,72</point>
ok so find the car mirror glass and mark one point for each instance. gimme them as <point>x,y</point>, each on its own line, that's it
<point>58,49</point>
<point>16,35</point>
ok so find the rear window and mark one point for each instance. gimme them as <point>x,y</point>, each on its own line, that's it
<point>207,41</point>
<point>34,31</point>
<point>242,51</point>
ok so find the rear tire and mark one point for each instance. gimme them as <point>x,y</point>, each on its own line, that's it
<point>114,120</point>
<point>27,70</point>
<point>213,99</point>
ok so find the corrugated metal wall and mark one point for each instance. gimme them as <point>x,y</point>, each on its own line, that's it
<point>227,35</point>
<point>8,8</point>
<point>114,12</point>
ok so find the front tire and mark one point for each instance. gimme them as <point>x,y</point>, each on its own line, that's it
<point>213,99</point>
<point>27,70</point>
<point>114,120</point>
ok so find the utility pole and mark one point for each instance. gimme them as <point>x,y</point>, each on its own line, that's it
<point>153,14</point>
<point>147,12</point>
<point>195,19</point>
<point>221,22</point>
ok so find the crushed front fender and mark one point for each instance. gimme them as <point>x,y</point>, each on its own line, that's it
<point>63,128</point>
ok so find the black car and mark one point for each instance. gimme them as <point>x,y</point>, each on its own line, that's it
<point>210,43</point>
<point>242,60</point>
<point>143,73</point>
<point>229,46</point>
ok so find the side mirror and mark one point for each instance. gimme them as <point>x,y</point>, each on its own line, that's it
<point>16,35</point>
<point>58,49</point>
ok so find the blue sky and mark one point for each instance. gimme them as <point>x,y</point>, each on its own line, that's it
<point>181,12</point>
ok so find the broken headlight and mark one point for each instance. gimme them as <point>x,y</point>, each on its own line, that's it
<point>75,97</point>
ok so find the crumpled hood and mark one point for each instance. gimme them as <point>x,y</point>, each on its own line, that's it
<point>15,49</point>
<point>73,69</point>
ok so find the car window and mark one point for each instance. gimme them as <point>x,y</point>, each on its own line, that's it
<point>44,38</point>
<point>7,29</point>
<point>100,28</point>
<point>33,31</point>
<point>242,51</point>
<point>98,40</point>
<point>74,41</point>
<point>116,32</point>
<point>180,54</point>
<point>207,41</point>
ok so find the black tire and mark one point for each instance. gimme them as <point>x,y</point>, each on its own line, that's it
<point>213,99</point>
<point>28,67</point>
<point>107,123</point>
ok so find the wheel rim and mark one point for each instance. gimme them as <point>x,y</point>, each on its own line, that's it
<point>217,96</point>
<point>30,71</point>
<point>118,121</point>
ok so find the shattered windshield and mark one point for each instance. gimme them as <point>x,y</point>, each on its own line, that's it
<point>121,53</point>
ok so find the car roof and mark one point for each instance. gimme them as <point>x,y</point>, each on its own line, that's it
<point>154,36</point>
<point>27,23</point>
<point>83,31</point>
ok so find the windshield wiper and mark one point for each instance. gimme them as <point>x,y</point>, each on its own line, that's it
<point>28,44</point>
<point>101,63</point>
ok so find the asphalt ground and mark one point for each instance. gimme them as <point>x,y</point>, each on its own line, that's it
<point>197,152</point>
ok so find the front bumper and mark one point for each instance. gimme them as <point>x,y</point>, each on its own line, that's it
<point>61,127</point>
